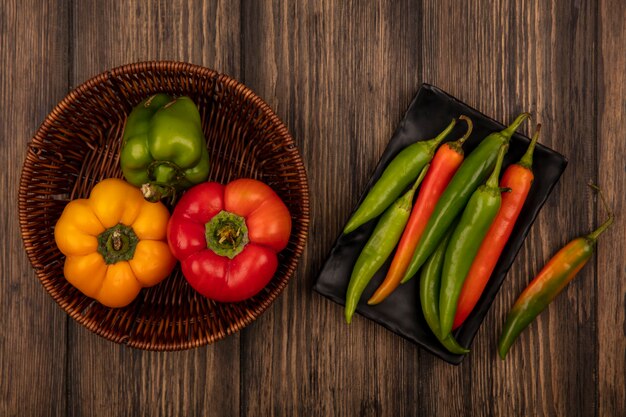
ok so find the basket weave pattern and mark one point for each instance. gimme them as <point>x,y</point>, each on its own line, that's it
<point>78,145</point>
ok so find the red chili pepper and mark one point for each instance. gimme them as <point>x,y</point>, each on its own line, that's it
<point>552,279</point>
<point>443,166</point>
<point>518,178</point>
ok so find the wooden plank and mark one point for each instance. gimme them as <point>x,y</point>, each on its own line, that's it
<point>611,287</point>
<point>504,58</point>
<point>340,75</point>
<point>104,378</point>
<point>33,51</point>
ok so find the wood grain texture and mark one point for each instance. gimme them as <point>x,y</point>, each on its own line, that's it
<point>326,60</point>
<point>340,74</point>
<point>104,378</point>
<point>611,149</point>
<point>34,67</point>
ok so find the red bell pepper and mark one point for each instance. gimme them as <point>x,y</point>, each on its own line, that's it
<point>227,237</point>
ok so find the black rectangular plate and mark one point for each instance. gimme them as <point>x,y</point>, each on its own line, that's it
<point>429,113</point>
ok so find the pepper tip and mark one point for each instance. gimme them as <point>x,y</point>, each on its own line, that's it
<point>373,301</point>
<point>348,317</point>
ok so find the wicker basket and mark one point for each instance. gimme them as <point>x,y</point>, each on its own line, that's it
<point>78,145</point>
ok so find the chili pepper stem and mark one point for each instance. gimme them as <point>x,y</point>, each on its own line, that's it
<point>493,180</point>
<point>468,132</point>
<point>593,236</point>
<point>516,124</point>
<point>434,143</point>
<point>457,145</point>
<point>441,136</point>
<point>527,159</point>
<point>419,179</point>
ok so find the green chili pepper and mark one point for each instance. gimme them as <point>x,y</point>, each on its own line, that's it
<point>384,238</point>
<point>400,172</point>
<point>550,281</point>
<point>475,222</point>
<point>473,172</point>
<point>430,284</point>
<point>163,147</point>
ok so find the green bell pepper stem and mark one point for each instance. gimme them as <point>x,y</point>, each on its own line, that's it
<point>381,243</point>
<point>430,285</point>
<point>470,175</point>
<point>550,281</point>
<point>466,239</point>
<point>400,172</point>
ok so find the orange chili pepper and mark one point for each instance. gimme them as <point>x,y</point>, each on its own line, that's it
<point>550,281</point>
<point>518,178</point>
<point>443,166</point>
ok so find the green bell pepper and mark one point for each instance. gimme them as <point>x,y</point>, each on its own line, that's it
<point>163,147</point>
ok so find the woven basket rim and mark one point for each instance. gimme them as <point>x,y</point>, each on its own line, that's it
<point>108,76</point>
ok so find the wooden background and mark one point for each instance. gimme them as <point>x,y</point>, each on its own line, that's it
<point>340,74</point>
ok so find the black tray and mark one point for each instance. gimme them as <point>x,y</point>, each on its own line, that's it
<point>429,113</point>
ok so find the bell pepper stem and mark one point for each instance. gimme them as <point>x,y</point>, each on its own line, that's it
<point>226,234</point>
<point>117,243</point>
<point>155,191</point>
<point>116,240</point>
<point>178,176</point>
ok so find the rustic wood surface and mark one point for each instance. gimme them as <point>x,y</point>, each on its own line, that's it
<point>340,74</point>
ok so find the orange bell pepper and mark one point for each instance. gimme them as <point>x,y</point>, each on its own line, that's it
<point>114,242</point>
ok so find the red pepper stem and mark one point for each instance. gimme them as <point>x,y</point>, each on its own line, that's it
<point>593,236</point>
<point>468,132</point>
<point>527,159</point>
<point>493,180</point>
<point>516,123</point>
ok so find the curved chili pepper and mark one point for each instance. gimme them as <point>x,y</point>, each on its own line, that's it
<point>400,172</point>
<point>476,219</point>
<point>550,281</point>
<point>472,172</point>
<point>444,164</point>
<point>518,178</point>
<point>430,284</point>
<point>379,246</point>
